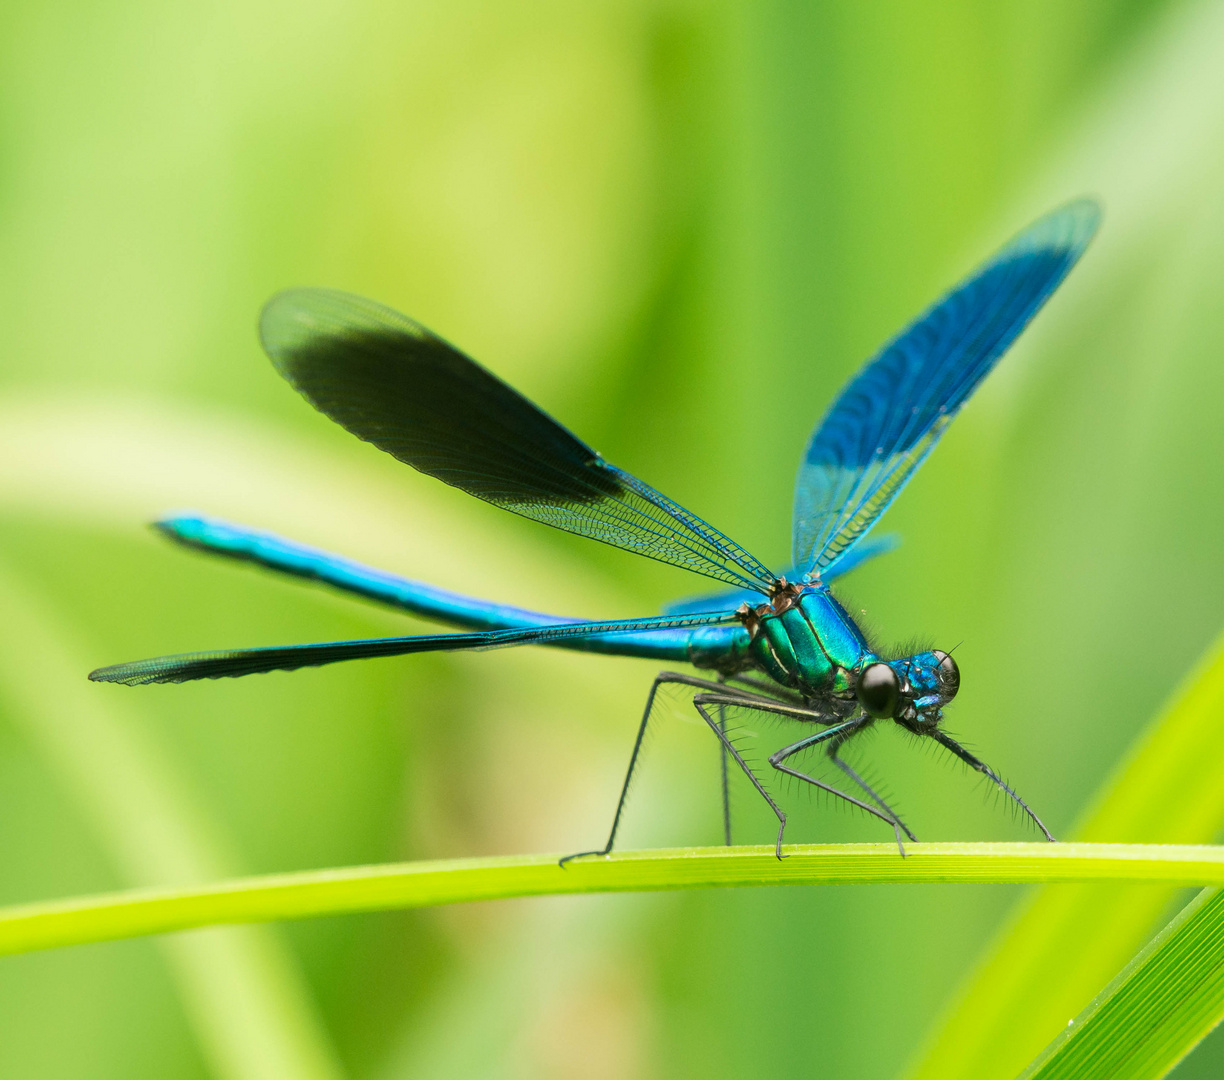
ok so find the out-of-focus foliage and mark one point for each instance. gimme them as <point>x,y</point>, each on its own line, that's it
<point>1156,1010</point>
<point>1166,791</point>
<point>679,226</point>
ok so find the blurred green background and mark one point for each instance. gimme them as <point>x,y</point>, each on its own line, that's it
<point>679,227</point>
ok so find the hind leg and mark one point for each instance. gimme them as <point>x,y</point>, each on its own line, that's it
<point>664,677</point>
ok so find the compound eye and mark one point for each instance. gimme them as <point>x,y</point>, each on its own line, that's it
<point>878,689</point>
<point>949,674</point>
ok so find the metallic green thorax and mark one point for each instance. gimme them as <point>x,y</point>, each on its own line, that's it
<point>806,640</point>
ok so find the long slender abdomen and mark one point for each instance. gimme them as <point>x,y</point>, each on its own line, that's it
<point>711,647</point>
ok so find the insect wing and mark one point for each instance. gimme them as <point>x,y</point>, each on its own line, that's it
<point>894,410</point>
<point>391,382</point>
<point>232,663</point>
<point>870,548</point>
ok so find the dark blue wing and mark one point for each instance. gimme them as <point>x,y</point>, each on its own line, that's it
<point>231,663</point>
<point>894,410</point>
<point>391,382</point>
<point>729,601</point>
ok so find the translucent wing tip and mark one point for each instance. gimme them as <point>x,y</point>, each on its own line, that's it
<point>1067,229</point>
<point>297,317</point>
<point>163,669</point>
<point>288,318</point>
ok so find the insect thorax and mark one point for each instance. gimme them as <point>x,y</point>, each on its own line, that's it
<point>804,639</point>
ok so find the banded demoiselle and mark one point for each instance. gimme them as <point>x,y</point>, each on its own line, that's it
<point>775,643</point>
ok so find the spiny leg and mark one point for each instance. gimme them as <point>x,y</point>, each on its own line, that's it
<point>981,766</point>
<point>700,704</point>
<point>899,826</point>
<point>776,759</point>
<point>726,785</point>
<point>843,731</point>
<point>726,776</point>
<point>660,679</point>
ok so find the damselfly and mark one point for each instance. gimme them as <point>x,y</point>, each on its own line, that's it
<point>776,643</point>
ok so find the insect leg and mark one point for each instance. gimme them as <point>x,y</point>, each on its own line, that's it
<point>768,690</point>
<point>726,787</point>
<point>660,679</point>
<point>840,732</point>
<point>699,703</point>
<point>776,760</point>
<point>899,826</point>
<point>981,766</point>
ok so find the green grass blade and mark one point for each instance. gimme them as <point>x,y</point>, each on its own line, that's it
<point>408,885</point>
<point>1025,990</point>
<point>1155,1012</point>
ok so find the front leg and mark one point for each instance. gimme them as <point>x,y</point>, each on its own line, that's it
<point>978,764</point>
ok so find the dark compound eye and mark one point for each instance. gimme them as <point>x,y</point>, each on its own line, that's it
<point>949,674</point>
<point>878,690</point>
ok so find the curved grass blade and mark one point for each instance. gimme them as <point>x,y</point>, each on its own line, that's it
<point>1155,1012</point>
<point>408,885</point>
